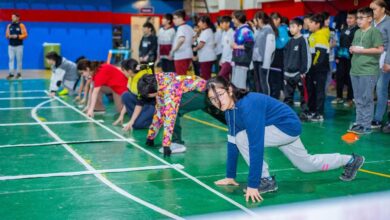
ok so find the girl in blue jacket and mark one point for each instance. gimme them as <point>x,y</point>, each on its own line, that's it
<point>255,121</point>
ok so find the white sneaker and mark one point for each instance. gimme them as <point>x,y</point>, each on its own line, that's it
<point>175,148</point>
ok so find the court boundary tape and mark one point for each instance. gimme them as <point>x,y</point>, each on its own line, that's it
<point>65,142</point>
<point>227,199</point>
<point>29,108</point>
<point>91,168</point>
<point>46,123</point>
<point>24,98</point>
<point>225,129</point>
<point>79,173</point>
<point>23,91</point>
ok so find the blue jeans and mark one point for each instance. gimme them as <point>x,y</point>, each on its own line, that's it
<point>145,118</point>
<point>382,87</point>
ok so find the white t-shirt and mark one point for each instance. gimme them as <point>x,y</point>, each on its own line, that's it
<point>227,41</point>
<point>218,41</point>
<point>165,40</point>
<point>207,52</point>
<point>185,51</point>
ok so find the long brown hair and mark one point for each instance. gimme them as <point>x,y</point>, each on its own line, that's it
<point>85,64</point>
<point>382,4</point>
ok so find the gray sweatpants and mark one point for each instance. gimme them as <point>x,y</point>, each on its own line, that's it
<point>239,76</point>
<point>15,51</point>
<point>294,150</point>
<point>363,92</point>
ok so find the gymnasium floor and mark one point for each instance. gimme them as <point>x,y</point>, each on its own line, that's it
<point>111,174</point>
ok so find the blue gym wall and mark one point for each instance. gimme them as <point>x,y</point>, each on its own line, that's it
<point>88,38</point>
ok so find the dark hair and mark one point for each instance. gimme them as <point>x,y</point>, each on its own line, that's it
<point>92,65</point>
<point>261,15</point>
<point>225,19</point>
<point>352,12</point>
<point>308,15</point>
<point>276,15</point>
<point>222,83</point>
<point>180,13</point>
<point>52,55</point>
<point>16,14</point>
<point>240,16</point>
<point>284,20</point>
<point>366,11</point>
<point>382,4</point>
<point>130,64</point>
<point>80,58</point>
<point>318,18</point>
<point>150,26</point>
<point>296,21</point>
<point>169,18</point>
<point>147,84</point>
<point>325,14</point>
<point>206,19</point>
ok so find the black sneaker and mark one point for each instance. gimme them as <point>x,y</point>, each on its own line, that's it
<point>317,118</point>
<point>18,76</point>
<point>351,168</point>
<point>10,76</point>
<point>167,151</point>
<point>376,124</point>
<point>267,185</point>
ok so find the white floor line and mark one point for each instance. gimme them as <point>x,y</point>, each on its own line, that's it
<point>29,108</point>
<point>99,176</point>
<point>79,173</point>
<point>46,123</point>
<point>65,142</point>
<point>24,98</point>
<point>231,201</point>
<point>23,91</point>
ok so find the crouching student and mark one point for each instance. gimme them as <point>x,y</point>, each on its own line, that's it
<point>255,121</point>
<point>64,74</point>
<point>175,96</point>
<point>139,110</point>
<point>106,79</point>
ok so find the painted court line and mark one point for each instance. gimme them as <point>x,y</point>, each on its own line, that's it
<point>65,142</point>
<point>23,91</point>
<point>29,108</point>
<point>225,129</point>
<point>98,175</point>
<point>46,123</point>
<point>79,173</point>
<point>24,98</point>
<point>231,201</point>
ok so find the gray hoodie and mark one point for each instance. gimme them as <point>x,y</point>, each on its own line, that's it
<point>65,72</point>
<point>264,47</point>
<point>384,27</point>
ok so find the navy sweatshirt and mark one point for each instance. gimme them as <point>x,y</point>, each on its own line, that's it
<point>253,113</point>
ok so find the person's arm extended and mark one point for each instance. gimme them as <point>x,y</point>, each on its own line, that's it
<point>137,111</point>
<point>94,97</point>
<point>121,116</point>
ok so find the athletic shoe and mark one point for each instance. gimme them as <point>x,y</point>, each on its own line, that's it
<point>386,128</point>
<point>175,148</point>
<point>63,92</point>
<point>359,129</point>
<point>317,118</point>
<point>352,167</point>
<point>376,124</point>
<point>267,184</point>
<point>337,101</point>
<point>10,76</point>
<point>18,76</point>
<point>348,103</point>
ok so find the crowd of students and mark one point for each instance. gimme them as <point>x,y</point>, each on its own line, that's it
<point>268,55</point>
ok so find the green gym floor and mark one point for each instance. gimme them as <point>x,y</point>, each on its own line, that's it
<point>111,174</point>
